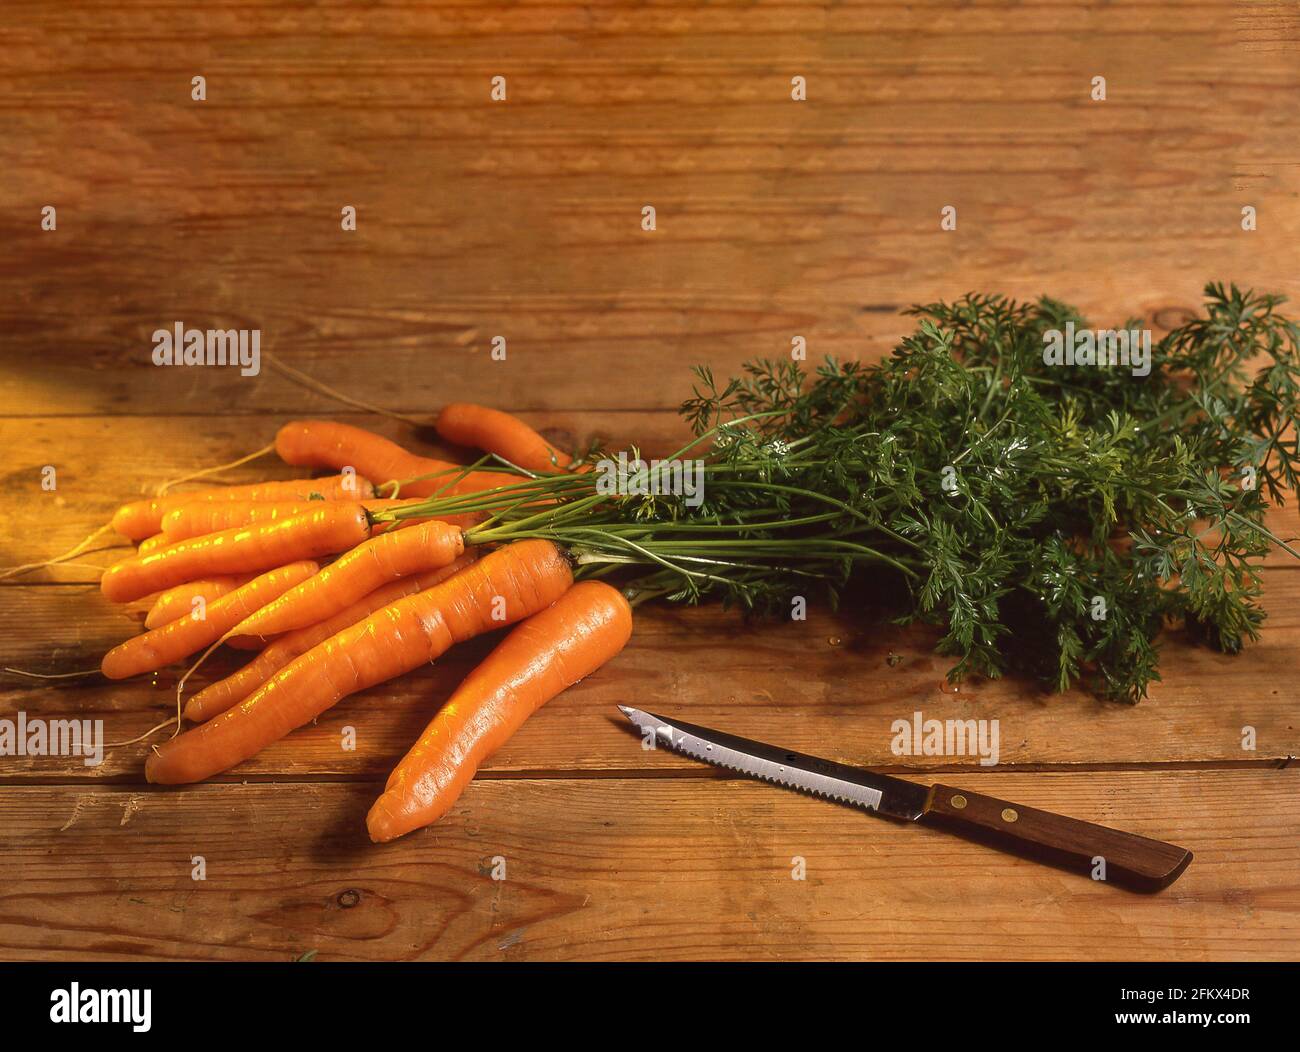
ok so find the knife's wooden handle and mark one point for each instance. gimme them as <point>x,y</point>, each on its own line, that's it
<point>1130,861</point>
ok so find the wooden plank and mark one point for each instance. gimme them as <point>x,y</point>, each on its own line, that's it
<point>522,218</point>
<point>634,869</point>
<point>834,684</point>
<point>563,353</point>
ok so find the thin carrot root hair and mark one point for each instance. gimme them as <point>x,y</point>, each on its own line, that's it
<point>151,731</point>
<point>312,384</point>
<point>50,675</point>
<point>180,685</point>
<point>162,487</point>
<point>81,566</point>
<point>71,553</point>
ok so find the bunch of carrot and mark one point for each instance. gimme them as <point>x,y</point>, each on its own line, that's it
<point>336,599</point>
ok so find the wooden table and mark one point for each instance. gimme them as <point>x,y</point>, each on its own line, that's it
<point>523,218</point>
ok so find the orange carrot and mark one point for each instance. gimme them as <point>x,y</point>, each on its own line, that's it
<point>194,520</point>
<point>151,544</point>
<point>505,586</point>
<point>496,432</point>
<point>185,635</point>
<point>178,601</point>
<point>139,608</point>
<point>142,518</point>
<point>545,655</point>
<point>333,527</point>
<point>324,443</point>
<point>428,546</point>
<point>219,696</point>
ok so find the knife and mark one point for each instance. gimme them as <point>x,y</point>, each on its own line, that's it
<point>1131,861</point>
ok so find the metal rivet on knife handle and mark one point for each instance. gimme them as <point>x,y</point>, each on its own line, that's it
<point>958,801</point>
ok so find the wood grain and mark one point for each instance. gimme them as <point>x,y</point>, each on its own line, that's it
<point>633,869</point>
<point>775,218</point>
<point>522,218</point>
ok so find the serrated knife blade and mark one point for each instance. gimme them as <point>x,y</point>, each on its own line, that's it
<point>855,786</point>
<point>1104,854</point>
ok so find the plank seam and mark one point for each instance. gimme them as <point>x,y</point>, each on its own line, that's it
<point>1278,764</point>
